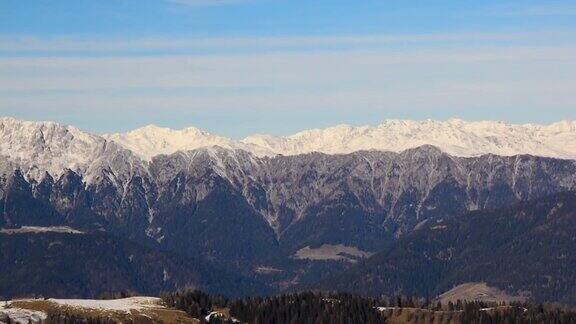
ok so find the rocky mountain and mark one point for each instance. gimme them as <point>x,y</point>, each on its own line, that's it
<point>37,148</point>
<point>525,249</point>
<point>282,220</point>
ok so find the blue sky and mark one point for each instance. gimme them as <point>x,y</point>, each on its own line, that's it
<point>237,67</point>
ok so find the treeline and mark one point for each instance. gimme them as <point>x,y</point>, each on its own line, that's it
<point>306,307</point>
<point>195,303</point>
<point>317,307</point>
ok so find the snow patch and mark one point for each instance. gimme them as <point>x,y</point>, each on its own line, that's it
<point>40,229</point>
<point>480,291</point>
<point>267,270</point>
<point>218,315</point>
<point>124,305</point>
<point>338,252</point>
<point>19,315</point>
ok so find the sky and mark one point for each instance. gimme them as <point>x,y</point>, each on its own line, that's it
<point>239,67</point>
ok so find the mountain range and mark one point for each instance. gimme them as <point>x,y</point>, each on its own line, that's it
<point>267,213</point>
<point>454,136</point>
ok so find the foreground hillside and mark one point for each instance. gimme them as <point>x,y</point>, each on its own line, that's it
<point>306,307</point>
<point>55,311</point>
<point>526,250</point>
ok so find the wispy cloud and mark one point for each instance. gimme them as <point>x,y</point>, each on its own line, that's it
<point>207,2</point>
<point>465,77</point>
<point>248,78</point>
<point>21,44</point>
<point>550,9</point>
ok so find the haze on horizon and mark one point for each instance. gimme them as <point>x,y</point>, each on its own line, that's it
<point>240,67</point>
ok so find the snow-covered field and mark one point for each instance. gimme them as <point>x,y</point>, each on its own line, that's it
<point>35,310</point>
<point>124,305</point>
<point>479,291</point>
<point>332,252</point>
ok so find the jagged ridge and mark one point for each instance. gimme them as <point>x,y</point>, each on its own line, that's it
<point>456,137</point>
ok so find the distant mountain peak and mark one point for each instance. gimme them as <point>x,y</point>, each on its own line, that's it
<point>453,136</point>
<point>154,129</point>
<point>153,140</point>
<point>37,147</point>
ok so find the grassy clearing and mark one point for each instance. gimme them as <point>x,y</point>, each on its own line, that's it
<point>421,316</point>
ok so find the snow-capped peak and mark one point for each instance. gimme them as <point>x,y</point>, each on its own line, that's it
<point>40,147</point>
<point>152,140</point>
<point>453,136</point>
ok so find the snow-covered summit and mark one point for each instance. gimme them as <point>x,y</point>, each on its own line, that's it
<point>40,147</point>
<point>454,136</point>
<point>152,140</point>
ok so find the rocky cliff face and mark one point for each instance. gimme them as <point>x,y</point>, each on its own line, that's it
<point>361,199</point>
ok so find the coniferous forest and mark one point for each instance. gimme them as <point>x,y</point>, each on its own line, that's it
<point>319,307</point>
<point>195,306</point>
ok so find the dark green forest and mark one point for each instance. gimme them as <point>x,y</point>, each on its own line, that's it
<point>525,247</point>
<point>320,307</point>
